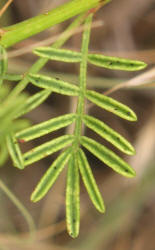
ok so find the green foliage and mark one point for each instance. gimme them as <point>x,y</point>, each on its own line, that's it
<point>45,127</point>
<point>109,62</point>
<point>62,55</point>
<point>72,197</point>
<point>33,102</point>
<point>3,64</point>
<point>16,105</point>
<point>15,152</point>
<point>109,134</point>
<point>55,85</point>
<point>107,156</point>
<point>51,175</point>
<point>90,182</point>
<point>47,148</point>
<point>111,105</point>
<point>22,30</point>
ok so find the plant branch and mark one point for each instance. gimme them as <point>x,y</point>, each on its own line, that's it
<point>83,75</point>
<point>21,208</point>
<point>20,31</point>
<point>5,7</point>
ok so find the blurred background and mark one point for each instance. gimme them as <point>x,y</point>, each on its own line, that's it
<point>122,28</point>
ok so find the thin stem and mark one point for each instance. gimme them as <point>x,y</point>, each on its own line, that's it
<point>20,31</point>
<point>83,75</point>
<point>5,7</point>
<point>21,208</point>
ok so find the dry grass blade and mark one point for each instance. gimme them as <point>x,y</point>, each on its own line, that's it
<point>2,11</point>
<point>145,148</point>
<point>139,80</point>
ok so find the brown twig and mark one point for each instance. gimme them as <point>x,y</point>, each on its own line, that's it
<point>5,7</point>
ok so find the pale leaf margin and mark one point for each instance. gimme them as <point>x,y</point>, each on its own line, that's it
<point>109,134</point>
<point>51,176</point>
<point>111,105</point>
<point>89,181</point>
<point>62,55</point>
<point>108,157</point>
<point>45,127</point>
<point>72,197</point>
<point>54,84</point>
<point>15,152</point>
<point>109,62</point>
<point>46,149</point>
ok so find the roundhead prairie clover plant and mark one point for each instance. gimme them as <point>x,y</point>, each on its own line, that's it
<point>70,146</point>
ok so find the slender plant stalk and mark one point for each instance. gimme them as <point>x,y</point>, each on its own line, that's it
<point>20,207</point>
<point>82,85</point>
<point>2,11</point>
<point>18,32</point>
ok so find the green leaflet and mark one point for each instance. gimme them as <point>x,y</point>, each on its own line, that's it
<point>72,198</point>
<point>63,55</point>
<point>110,62</point>
<point>89,181</point>
<point>108,157</point>
<point>15,152</point>
<point>33,102</point>
<point>54,84</point>
<point>13,77</point>
<point>109,134</point>
<point>3,63</point>
<point>47,148</point>
<point>111,105</point>
<point>50,176</point>
<point>45,127</point>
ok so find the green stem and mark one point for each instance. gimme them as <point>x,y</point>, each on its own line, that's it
<point>20,31</point>
<point>40,63</point>
<point>21,208</point>
<point>82,86</point>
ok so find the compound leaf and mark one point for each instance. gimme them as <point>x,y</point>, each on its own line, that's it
<point>109,134</point>
<point>54,84</point>
<point>47,148</point>
<point>108,157</point>
<point>90,182</point>
<point>111,105</point>
<point>51,175</point>
<point>72,197</point>
<point>63,55</point>
<point>115,63</point>
<point>45,127</point>
<point>15,152</point>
